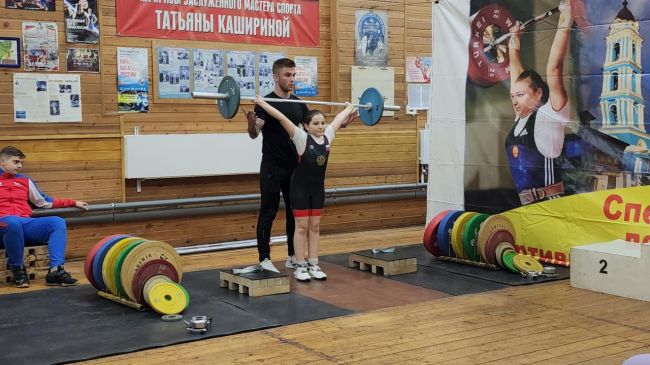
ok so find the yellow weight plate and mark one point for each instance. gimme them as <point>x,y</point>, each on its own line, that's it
<point>457,233</point>
<point>167,298</point>
<point>108,265</point>
<point>491,224</point>
<point>147,251</point>
<point>117,270</point>
<point>525,263</point>
<point>150,283</point>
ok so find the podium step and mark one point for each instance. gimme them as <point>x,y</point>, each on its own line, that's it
<point>617,267</point>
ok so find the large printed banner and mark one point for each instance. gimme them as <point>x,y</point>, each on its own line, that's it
<point>552,110</point>
<point>286,22</point>
<point>550,228</point>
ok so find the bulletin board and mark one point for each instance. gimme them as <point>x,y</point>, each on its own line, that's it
<point>381,78</point>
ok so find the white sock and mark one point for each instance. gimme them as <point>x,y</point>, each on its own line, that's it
<point>301,263</point>
<point>312,261</point>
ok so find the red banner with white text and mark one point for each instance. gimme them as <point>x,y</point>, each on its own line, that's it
<point>286,22</point>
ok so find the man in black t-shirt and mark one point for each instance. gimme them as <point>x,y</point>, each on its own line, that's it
<point>279,159</point>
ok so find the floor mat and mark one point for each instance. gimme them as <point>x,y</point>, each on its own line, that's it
<point>497,276</point>
<point>68,324</point>
<point>430,278</point>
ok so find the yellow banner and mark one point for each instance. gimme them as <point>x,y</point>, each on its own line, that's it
<point>549,229</point>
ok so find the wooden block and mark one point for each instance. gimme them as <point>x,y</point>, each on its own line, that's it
<point>618,267</point>
<point>32,273</point>
<point>120,300</point>
<point>256,284</point>
<point>387,264</point>
<point>36,260</point>
<point>34,256</point>
<point>232,286</point>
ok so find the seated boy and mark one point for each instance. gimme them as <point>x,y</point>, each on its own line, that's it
<point>17,226</point>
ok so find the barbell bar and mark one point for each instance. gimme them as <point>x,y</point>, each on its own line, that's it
<point>371,103</point>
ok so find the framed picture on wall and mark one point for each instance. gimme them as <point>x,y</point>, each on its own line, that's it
<point>9,52</point>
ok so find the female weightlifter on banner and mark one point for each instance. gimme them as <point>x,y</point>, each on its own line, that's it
<point>542,111</point>
<point>308,181</point>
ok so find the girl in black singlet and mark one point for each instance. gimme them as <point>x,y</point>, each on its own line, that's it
<point>308,181</point>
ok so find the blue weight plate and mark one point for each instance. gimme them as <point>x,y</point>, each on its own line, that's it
<point>99,259</point>
<point>371,116</point>
<point>229,107</point>
<point>444,232</point>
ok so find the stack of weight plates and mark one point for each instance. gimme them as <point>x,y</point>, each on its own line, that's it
<point>138,270</point>
<point>469,236</point>
<point>454,233</point>
<point>495,230</point>
<point>477,237</point>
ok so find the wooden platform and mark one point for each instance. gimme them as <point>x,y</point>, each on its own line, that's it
<point>36,260</point>
<point>387,264</point>
<point>255,284</point>
<point>543,324</point>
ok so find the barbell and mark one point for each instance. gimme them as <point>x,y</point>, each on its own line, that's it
<point>371,103</point>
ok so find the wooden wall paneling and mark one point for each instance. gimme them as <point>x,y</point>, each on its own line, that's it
<point>78,168</point>
<point>240,226</point>
<point>91,152</point>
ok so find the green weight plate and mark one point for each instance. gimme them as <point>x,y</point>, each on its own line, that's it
<point>109,263</point>
<point>118,267</point>
<point>470,236</point>
<point>187,295</point>
<point>229,107</point>
<point>508,261</point>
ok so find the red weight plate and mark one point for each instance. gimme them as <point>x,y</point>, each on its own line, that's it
<point>431,232</point>
<point>494,239</point>
<point>149,269</point>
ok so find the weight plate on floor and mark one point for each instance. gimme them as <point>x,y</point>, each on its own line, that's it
<point>508,258</point>
<point>228,107</point>
<point>171,317</point>
<point>431,234</point>
<point>494,222</point>
<point>167,298</point>
<point>88,264</point>
<point>470,237</point>
<point>98,260</point>
<point>371,116</point>
<point>146,271</point>
<point>495,238</point>
<point>526,264</point>
<point>457,234</point>
<point>117,271</point>
<point>108,265</point>
<point>148,251</point>
<point>444,232</point>
<point>501,248</point>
